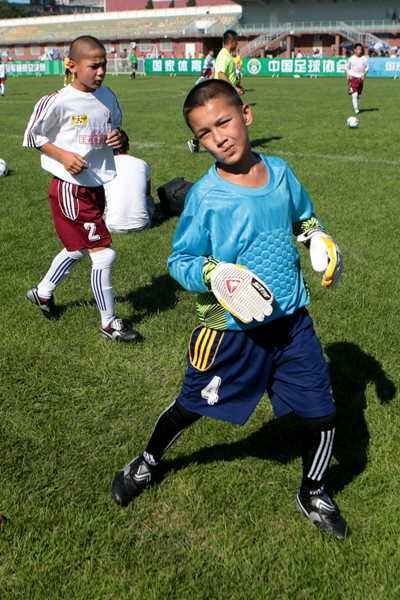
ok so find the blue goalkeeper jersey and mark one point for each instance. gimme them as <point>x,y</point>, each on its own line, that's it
<point>248,226</point>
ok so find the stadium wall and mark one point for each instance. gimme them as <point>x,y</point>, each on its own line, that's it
<point>120,5</point>
<point>273,12</point>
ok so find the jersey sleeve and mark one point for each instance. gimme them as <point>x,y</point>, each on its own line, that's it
<point>190,248</point>
<point>42,122</point>
<point>221,63</point>
<point>116,112</point>
<point>304,220</point>
<point>302,207</point>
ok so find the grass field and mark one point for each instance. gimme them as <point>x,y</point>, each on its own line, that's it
<point>222,523</point>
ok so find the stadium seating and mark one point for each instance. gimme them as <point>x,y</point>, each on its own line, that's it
<point>114,29</point>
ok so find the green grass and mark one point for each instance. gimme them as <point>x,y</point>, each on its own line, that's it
<point>222,523</point>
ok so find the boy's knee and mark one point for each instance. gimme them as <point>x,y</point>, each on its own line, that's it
<point>104,258</point>
<point>320,423</point>
<point>75,254</point>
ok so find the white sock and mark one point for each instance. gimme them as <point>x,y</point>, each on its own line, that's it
<point>102,261</point>
<point>59,269</point>
<point>354,99</point>
<point>1,88</point>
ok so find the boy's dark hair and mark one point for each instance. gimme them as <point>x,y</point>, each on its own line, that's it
<point>358,45</point>
<point>230,34</point>
<point>207,90</point>
<point>84,41</point>
<point>125,144</point>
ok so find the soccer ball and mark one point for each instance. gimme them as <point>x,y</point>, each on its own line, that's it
<point>352,122</point>
<point>3,168</point>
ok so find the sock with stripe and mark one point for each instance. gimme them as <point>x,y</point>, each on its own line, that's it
<point>354,99</point>
<point>168,428</point>
<point>102,261</point>
<point>59,269</point>
<point>318,440</point>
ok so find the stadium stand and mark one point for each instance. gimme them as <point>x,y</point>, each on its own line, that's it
<point>263,28</point>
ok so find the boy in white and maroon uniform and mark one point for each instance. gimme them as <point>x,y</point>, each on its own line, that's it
<point>76,130</point>
<point>356,70</point>
<point>3,77</point>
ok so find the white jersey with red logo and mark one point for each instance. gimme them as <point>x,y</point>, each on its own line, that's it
<point>2,71</point>
<point>78,122</point>
<point>357,66</point>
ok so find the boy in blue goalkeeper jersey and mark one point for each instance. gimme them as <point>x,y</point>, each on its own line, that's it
<point>237,230</point>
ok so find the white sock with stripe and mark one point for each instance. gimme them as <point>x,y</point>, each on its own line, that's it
<point>102,261</point>
<point>59,269</point>
<point>354,99</point>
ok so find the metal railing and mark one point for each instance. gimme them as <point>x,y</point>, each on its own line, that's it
<point>378,25</point>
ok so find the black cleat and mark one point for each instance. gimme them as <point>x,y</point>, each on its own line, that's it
<point>120,330</point>
<point>193,145</point>
<point>322,511</point>
<point>47,307</point>
<point>128,483</point>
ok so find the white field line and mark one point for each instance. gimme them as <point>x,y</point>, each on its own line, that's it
<point>330,157</point>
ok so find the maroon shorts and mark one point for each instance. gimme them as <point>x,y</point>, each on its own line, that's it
<point>356,84</point>
<point>78,215</point>
<point>207,73</point>
<point>2,80</point>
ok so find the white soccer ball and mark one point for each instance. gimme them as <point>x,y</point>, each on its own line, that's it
<point>352,122</point>
<point>3,168</point>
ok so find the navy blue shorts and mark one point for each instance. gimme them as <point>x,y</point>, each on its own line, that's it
<point>229,371</point>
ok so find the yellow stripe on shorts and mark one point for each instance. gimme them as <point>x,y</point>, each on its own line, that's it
<point>199,361</point>
<point>197,345</point>
<point>208,350</point>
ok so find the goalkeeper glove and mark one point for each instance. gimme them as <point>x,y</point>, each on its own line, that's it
<point>239,291</point>
<point>325,256</point>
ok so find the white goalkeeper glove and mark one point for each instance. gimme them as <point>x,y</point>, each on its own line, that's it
<point>325,256</point>
<point>241,292</point>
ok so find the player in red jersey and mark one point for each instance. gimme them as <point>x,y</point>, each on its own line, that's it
<point>76,130</point>
<point>356,70</point>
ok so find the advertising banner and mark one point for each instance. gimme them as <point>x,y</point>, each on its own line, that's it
<point>18,68</point>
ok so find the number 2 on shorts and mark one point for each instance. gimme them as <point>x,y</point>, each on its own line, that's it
<point>92,235</point>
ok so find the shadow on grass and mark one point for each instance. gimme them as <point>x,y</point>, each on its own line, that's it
<point>158,296</point>
<point>364,110</point>
<point>261,142</point>
<point>279,440</point>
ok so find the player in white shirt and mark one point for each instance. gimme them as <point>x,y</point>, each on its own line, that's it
<point>3,77</point>
<point>356,70</point>
<point>129,206</point>
<point>76,130</point>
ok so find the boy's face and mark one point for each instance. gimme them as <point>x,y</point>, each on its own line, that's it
<point>221,127</point>
<point>358,51</point>
<point>89,70</point>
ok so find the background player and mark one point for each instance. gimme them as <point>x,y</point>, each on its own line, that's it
<point>244,212</point>
<point>356,70</point>
<point>133,59</point>
<point>3,77</point>
<point>68,76</point>
<point>129,205</point>
<point>76,130</point>
<point>208,67</point>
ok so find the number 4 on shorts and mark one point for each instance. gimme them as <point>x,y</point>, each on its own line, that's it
<point>210,392</point>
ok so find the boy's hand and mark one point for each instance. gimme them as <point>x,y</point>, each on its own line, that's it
<point>326,256</point>
<point>241,292</point>
<point>73,162</point>
<point>114,139</point>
